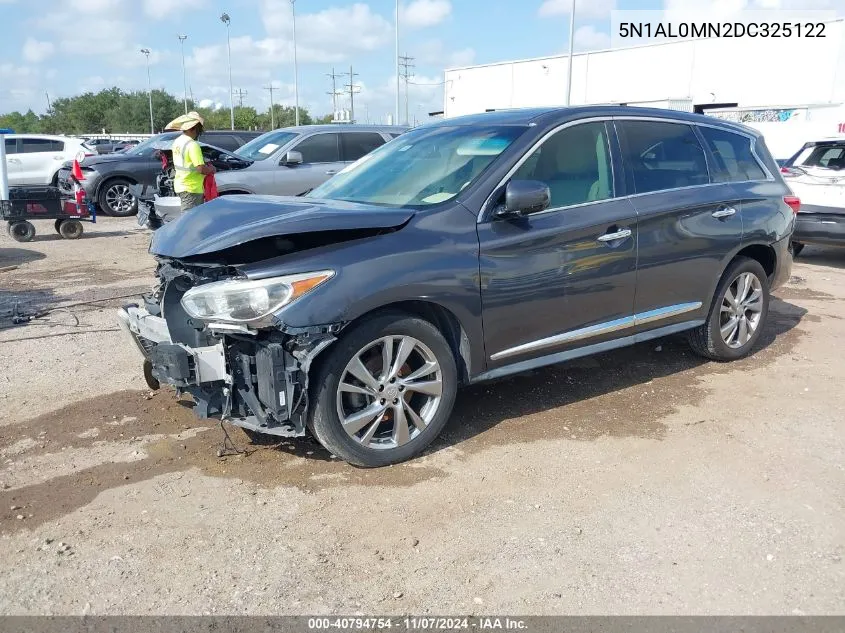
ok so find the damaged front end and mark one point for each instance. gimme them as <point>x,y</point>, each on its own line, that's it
<point>253,374</point>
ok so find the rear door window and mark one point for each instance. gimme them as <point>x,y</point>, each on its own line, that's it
<point>11,146</point>
<point>320,148</point>
<point>354,145</point>
<point>662,155</point>
<point>36,145</point>
<point>732,153</point>
<point>830,156</point>
<point>224,141</point>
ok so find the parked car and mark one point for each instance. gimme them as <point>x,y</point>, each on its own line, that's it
<point>465,250</point>
<point>122,146</point>
<point>109,178</point>
<point>291,161</point>
<point>816,173</point>
<point>35,159</point>
<point>102,145</point>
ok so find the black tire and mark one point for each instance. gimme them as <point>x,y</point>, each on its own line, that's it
<point>797,247</point>
<point>71,229</point>
<point>707,340</point>
<point>112,196</point>
<point>324,421</point>
<point>56,225</point>
<point>21,231</point>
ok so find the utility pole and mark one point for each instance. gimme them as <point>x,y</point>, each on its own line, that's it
<point>182,39</point>
<point>49,105</point>
<point>271,88</point>
<point>396,61</point>
<point>240,94</point>
<point>225,19</point>
<point>146,51</point>
<point>295,65</point>
<point>353,89</point>
<point>334,92</point>
<point>405,63</point>
<point>571,49</point>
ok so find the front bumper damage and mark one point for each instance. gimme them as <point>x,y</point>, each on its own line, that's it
<point>255,379</point>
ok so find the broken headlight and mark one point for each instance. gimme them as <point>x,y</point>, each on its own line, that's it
<point>241,301</point>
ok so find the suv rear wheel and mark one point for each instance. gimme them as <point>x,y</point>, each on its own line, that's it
<point>738,314</point>
<point>384,391</point>
<point>116,198</point>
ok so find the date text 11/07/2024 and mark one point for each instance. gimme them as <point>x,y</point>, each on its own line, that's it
<point>417,624</point>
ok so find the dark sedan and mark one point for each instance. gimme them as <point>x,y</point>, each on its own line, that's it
<point>109,178</point>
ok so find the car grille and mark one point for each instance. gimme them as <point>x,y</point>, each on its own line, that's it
<point>65,183</point>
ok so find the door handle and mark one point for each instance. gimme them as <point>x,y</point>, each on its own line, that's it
<point>17,161</point>
<point>724,212</point>
<point>331,172</point>
<point>621,234</point>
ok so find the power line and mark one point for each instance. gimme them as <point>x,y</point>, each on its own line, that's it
<point>406,74</point>
<point>240,94</point>
<point>271,88</point>
<point>334,93</point>
<point>353,89</point>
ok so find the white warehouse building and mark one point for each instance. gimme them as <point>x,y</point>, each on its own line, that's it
<point>759,81</point>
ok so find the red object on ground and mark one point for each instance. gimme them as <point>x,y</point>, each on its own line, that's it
<point>209,186</point>
<point>76,172</point>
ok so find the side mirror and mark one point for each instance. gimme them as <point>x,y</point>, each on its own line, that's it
<point>524,197</point>
<point>292,158</point>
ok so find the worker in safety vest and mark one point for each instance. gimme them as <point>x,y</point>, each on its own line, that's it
<point>189,165</point>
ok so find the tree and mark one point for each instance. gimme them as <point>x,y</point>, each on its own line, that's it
<point>28,123</point>
<point>326,118</point>
<point>284,116</point>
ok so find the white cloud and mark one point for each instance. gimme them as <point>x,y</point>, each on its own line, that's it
<point>423,13</point>
<point>588,9</point>
<point>160,9</point>
<point>728,7</point>
<point>588,38</point>
<point>35,51</point>
<point>434,53</point>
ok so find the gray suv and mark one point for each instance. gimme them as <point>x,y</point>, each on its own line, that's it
<point>292,161</point>
<point>465,250</point>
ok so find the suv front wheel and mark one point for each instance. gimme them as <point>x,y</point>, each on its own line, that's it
<point>384,391</point>
<point>116,198</point>
<point>738,313</point>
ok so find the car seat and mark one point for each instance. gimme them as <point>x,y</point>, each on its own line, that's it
<point>573,174</point>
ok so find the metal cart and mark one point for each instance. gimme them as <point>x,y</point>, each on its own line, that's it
<point>45,203</point>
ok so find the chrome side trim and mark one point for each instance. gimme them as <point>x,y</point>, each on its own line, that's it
<point>587,350</point>
<point>600,329</point>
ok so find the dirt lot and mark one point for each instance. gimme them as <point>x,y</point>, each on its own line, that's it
<point>638,481</point>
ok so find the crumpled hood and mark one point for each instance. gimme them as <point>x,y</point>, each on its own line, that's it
<point>232,220</point>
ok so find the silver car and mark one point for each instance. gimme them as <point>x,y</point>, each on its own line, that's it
<point>292,161</point>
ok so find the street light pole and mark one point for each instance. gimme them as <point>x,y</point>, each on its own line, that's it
<point>225,19</point>
<point>182,39</point>
<point>571,50</point>
<point>396,61</point>
<point>295,65</point>
<point>146,51</point>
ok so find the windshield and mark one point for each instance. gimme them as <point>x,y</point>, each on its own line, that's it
<point>265,145</point>
<point>151,144</point>
<point>422,167</point>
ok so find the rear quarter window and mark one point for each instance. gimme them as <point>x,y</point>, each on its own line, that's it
<point>732,154</point>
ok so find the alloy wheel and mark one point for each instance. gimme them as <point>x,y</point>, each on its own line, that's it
<point>742,307</point>
<point>119,199</point>
<point>389,392</point>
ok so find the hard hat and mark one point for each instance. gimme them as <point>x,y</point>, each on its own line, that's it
<point>185,122</point>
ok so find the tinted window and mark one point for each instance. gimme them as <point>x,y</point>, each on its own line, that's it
<point>662,155</point>
<point>575,164</point>
<point>732,153</point>
<point>35,145</point>
<point>225,141</point>
<point>354,145</point>
<point>320,148</point>
<point>832,156</point>
<point>11,146</point>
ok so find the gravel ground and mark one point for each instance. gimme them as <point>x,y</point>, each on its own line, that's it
<point>642,481</point>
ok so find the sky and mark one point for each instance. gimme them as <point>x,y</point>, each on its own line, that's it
<point>65,47</point>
